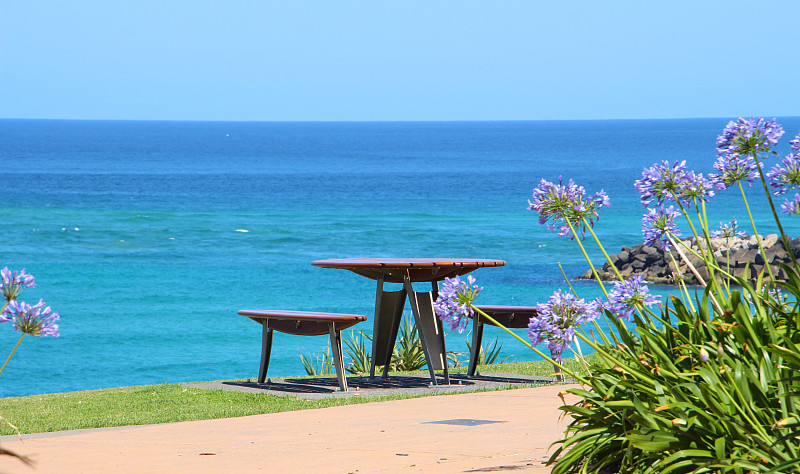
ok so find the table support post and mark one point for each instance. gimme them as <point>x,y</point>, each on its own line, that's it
<point>376,322</point>
<point>430,330</point>
<point>388,313</point>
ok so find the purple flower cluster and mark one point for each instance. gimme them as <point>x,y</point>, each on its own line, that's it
<point>556,321</point>
<point>727,230</point>
<point>748,136</point>
<point>559,205</point>
<point>732,169</point>
<point>658,224</point>
<point>674,182</point>
<point>786,175</point>
<point>628,295</point>
<point>454,304</point>
<point>792,206</point>
<point>36,320</point>
<point>12,283</point>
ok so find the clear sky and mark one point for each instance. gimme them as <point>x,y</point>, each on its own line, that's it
<point>410,60</point>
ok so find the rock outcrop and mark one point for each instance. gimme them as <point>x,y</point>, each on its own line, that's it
<point>737,255</point>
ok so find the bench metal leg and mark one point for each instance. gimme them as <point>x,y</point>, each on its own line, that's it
<point>336,348</point>
<point>266,349</point>
<point>475,353</point>
<point>430,328</point>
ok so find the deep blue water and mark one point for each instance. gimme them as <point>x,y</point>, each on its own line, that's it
<point>135,230</point>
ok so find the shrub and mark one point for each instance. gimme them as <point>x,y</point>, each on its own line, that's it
<point>706,382</point>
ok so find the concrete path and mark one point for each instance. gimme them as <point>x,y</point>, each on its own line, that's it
<point>499,431</point>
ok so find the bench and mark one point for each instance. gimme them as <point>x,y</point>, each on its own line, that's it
<point>509,316</point>
<point>302,323</point>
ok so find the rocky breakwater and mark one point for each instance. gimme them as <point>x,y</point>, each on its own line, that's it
<point>739,254</point>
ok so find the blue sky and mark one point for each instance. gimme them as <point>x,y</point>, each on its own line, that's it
<point>369,60</point>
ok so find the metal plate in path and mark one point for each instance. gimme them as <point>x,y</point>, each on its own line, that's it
<point>464,422</point>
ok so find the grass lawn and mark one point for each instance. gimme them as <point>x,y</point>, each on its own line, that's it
<point>148,404</point>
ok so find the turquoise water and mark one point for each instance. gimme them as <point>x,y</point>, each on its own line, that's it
<point>147,237</point>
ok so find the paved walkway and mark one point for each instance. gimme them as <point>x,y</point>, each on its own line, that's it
<point>495,431</point>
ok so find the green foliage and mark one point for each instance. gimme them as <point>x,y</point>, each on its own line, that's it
<point>356,350</point>
<point>148,404</point>
<point>693,391</point>
<point>408,354</point>
<point>321,364</point>
<point>167,403</point>
<point>709,384</point>
<point>490,353</point>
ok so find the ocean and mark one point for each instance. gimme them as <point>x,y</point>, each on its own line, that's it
<point>147,237</point>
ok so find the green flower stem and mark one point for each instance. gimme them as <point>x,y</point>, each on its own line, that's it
<point>12,353</point>
<point>528,344</point>
<point>684,290</point>
<point>696,274</point>
<point>581,358</point>
<point>728,264</point>
<point>686,215</point>
<point>602,249</point>
<point>567,280</point>
<point>586,256</point>
<point>743,408</point>
<point>774,212</point>
<point>707,255</point>
<point>691,250</point>
<point>758,237</point>
<point>711,262</point>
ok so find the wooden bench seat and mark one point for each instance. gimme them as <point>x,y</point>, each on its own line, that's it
<point>509,316</point>
<point>302,323</point>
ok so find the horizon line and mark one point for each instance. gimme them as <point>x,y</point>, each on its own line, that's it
<point>386,121</point>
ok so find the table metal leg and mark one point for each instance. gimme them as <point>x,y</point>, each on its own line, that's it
<point>430,329</point>
<point>388,313</point>
<point>266,349</point>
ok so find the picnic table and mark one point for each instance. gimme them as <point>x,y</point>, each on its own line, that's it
<point>389,304</point>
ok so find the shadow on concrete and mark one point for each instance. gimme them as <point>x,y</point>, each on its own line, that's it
<point>364,386</point>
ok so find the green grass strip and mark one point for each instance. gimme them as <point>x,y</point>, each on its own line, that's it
<point>167,403</point>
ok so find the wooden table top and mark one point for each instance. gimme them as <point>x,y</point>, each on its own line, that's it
<point>418,269</point>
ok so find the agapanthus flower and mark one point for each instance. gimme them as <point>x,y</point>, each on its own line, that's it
<point>454,304</point>
<point>628,295</point>
<point>794,144</point>
<point>748,136</point>
<point>727,230</point>
<point>658,224</point>
<point>774,292</point>
<point>792,206</point>
<point>696,187</point>
<point>556,321</point>
<point>770,294</point>
<point>732,169</point>
<point>675,277</point>
<point>12,283</point>
<point>559,205</point>
<point>674,182</point>
<point>36,320</point>
<point>786,175</point>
